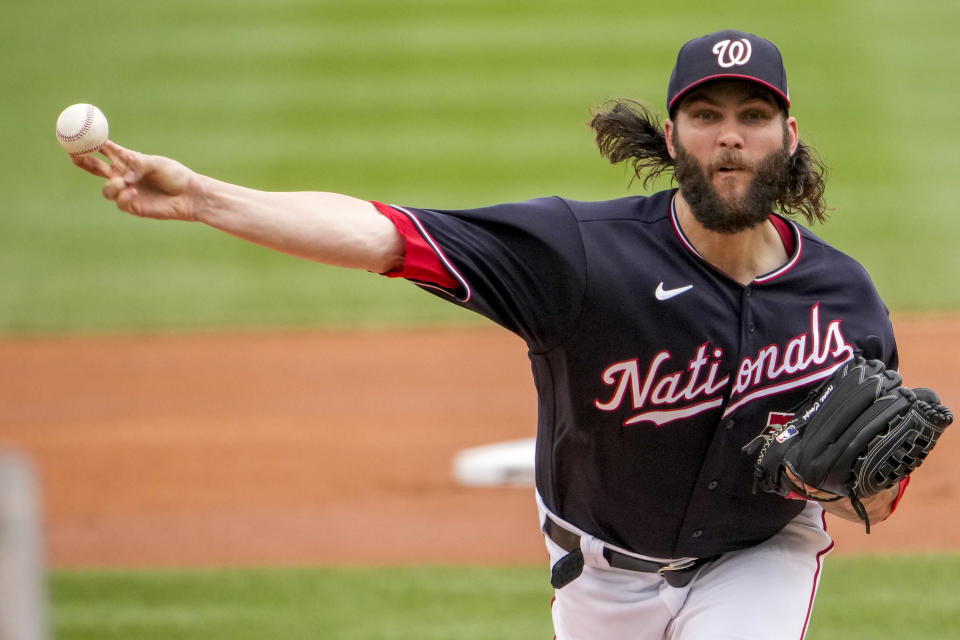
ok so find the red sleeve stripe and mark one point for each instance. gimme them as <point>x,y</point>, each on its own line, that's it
<point>424,261</point>
<point>902,489</point>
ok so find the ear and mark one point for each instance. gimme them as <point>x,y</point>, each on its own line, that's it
<point>668,134</point>
<point>793,134</point>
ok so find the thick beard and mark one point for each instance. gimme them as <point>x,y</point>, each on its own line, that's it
<point>719,214</point>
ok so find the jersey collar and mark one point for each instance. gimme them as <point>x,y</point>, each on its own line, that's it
<point>761,279</point>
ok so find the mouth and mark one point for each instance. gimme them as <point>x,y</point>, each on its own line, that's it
<point>726,172</point>
<point>729,168</point>
<point>729,163</point>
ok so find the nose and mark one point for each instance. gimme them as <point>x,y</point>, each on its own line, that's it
<point>730,137</point>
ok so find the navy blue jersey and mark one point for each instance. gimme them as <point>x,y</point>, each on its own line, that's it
<point>653,368</point>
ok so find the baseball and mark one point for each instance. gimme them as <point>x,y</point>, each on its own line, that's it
<point>82,129</point>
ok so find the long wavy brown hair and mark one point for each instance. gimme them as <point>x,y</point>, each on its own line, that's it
<point>627,131</point>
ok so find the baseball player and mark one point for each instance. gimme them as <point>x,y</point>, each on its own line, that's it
<point>665,332</point>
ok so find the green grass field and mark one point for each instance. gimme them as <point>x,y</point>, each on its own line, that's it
<point>454,103</point>
<point>436,103</point>
<point>867,598</point>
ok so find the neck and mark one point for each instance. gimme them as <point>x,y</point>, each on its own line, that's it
<point>743,255</point>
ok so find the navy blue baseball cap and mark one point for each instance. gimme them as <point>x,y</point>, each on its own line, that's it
<point>728,54</point>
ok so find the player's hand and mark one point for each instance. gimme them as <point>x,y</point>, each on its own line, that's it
<point>878,506</point>
<point>144,185</point>
<point>812,491</point>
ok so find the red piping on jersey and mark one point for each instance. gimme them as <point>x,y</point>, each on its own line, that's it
<point>786,233</point>
<point>424,262</point>
<point>789,234</point>
<point>792,244</point>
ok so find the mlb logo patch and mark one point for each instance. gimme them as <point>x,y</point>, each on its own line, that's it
<point>786,434</point>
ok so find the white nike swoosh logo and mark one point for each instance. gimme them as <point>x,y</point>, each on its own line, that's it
<point>666,294</point>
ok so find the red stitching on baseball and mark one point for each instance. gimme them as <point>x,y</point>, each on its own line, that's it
<point>90,150</point>
<point>87,123</point>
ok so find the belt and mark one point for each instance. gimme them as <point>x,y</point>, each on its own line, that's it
<point>569,567</point>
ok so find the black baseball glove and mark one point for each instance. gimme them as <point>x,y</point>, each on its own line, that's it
<point>857,434</point>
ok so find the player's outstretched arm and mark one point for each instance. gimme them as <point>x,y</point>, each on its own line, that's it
<point>325,227</point>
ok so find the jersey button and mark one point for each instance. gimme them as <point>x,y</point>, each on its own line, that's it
<point>713,485</point>
<point>698,533</point>
<point>728,424</point>
<point>751,327</point>
<point>748,292</point>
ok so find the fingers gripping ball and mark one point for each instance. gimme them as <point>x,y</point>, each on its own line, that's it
<point>82,129</point>
<point>859,433</point>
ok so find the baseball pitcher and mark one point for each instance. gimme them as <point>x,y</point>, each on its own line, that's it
<point>712,376</point>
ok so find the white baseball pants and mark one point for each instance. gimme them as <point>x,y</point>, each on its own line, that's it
<point>765,592</point>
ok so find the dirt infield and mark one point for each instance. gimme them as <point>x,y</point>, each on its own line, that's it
<point>330,448</point>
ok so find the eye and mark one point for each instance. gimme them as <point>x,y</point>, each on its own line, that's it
<point>705,115</point>
<point>756,115</point>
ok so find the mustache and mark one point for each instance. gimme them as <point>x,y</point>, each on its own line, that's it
<point>729,159</point>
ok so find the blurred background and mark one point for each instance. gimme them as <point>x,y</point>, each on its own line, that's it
<point>451,103</point>
<point>427,103</point>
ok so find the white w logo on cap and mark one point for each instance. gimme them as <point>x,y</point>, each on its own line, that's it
<point>731,53</point>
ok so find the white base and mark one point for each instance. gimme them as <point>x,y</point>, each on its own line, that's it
<point>496,465</point>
